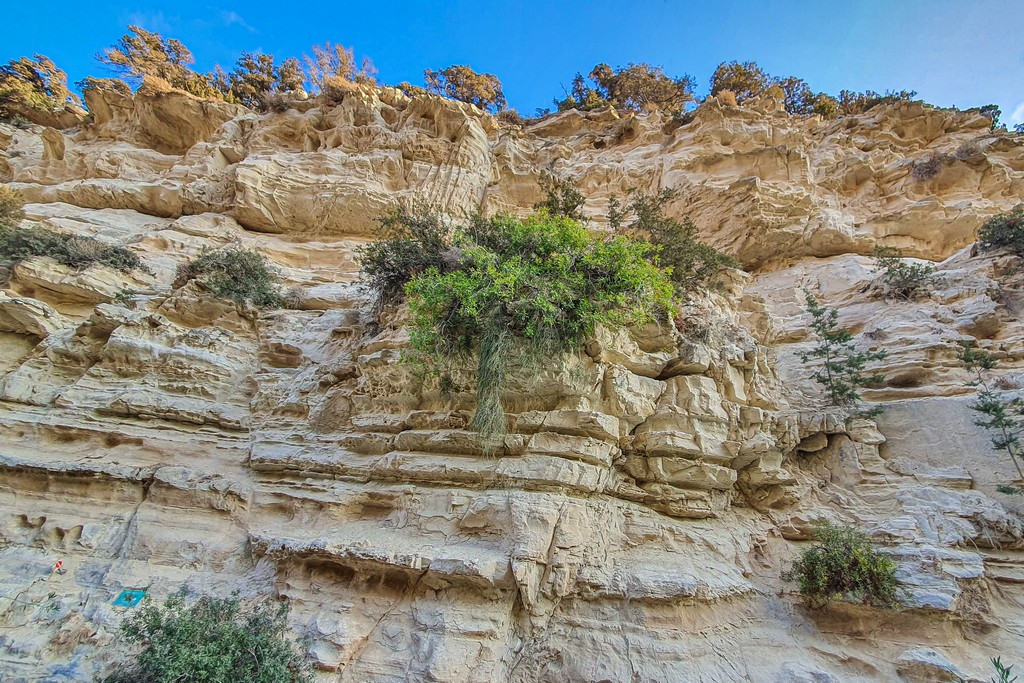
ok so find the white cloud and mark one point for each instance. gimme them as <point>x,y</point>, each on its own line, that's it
<point>231,18</point>
<point>1018,114</point>
<point>151,21</point>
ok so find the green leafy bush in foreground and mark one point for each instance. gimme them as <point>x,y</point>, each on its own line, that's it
<point>844,566</point>
<point>211,641</point>
<point>238,275</point>
<point>509,291</point>
<point>18,244</point>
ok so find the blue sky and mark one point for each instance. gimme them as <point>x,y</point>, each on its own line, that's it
<point>964,53</point>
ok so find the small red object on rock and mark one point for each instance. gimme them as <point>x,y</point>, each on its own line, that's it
<point>58,566</point>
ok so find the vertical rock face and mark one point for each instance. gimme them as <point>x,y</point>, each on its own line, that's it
<point>653,485</point>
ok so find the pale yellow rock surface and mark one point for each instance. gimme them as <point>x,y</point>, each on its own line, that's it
<point>654,484</point>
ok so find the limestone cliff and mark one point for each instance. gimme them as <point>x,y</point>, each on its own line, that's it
<point>655,483</point>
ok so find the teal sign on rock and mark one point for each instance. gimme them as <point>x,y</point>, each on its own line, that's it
<point>129,597</point>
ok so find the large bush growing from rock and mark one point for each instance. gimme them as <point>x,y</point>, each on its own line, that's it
<point>507,290</point>
<point>692,264</point>
<point>213,640</point>
<point>844,565</point>
<point>140,54</point>
<point>902,280</point>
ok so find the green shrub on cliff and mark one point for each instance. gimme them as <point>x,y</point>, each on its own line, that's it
<point>902,280</point>
<point>213,640</point>
<point>509,291</point>
<point>412,240</point>
<point>1002,415</point>
<point>636,88</point>
<point>18,243</point>
<point>561,198</point>
<point>1004,231</point>
<point>838,366</point>
<point>844,565</point>
<point>693,264</point>
<point>244,277</point>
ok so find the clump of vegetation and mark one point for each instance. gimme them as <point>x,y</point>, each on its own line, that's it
<point>636,87</point>
<point>840,367</point>
<point>336,62</point>
<point>1002,416</point>
<point>511,117</point>
<point>11,212</point>
<point>238,275</point>
<point>851,102</point>
<point>413,241</point>
<point>77,252</point>
<point>18,244</point>
<point>800,100</point>
<point>257,81</point>
<point>991,112</point>
<point>927,168</point>
<point>970,151</point>
<point>561,198</point>
<point>740,82</point>
<point>125,296</point>
<point>844,565</point>
<point>902,280</point>
<point>460,82</point>
<point>212,640</point>
<point>692,263</point>
<point>509,291</point>
<point>37,84</point>
<point>744,81</point>
<point>1004,231</point>
<point>728,98</point>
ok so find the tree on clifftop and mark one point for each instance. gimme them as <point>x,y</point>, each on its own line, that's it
<point>744,79</point>
<point>256,79</point>
<point>142,53</point>
<point>27,84</point>
<point>460,82</point>
<point>336,61</point>
<point>636,87</point>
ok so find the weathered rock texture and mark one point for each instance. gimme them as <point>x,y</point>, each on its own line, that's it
<point>654,485</point>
